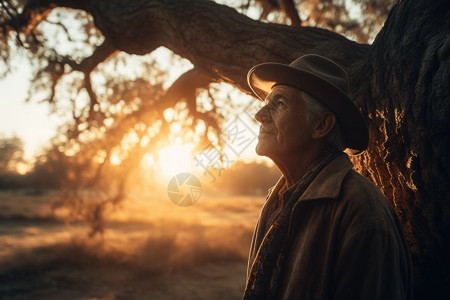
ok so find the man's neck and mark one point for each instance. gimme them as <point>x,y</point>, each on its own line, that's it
<point>293,168</point>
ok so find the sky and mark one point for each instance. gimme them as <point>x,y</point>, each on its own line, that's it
<point>32,122</point>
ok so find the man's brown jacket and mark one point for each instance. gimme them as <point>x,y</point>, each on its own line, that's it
<point>346,241</point>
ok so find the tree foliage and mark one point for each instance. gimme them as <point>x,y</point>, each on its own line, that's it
<point>11,153</point>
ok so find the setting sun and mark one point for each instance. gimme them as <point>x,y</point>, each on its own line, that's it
<point>115,159</point>
<point>175,159</point>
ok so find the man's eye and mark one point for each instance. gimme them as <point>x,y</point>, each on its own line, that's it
<point>281,103</point>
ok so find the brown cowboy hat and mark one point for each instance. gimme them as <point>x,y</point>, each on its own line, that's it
<point>324,80</point>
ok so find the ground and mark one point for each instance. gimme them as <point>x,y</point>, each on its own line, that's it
<point>151,249</point>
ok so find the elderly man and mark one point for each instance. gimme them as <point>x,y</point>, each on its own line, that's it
<point>325,231</point>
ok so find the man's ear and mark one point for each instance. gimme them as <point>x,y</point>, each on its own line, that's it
<point>323,125</point>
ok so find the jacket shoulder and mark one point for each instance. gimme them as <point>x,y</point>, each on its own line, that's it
<point>360,188</point>
<point>364,202</point>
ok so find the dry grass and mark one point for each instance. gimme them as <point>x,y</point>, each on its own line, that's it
<point>151,249</point>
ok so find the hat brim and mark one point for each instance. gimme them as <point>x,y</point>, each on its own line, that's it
<point>261,79</point>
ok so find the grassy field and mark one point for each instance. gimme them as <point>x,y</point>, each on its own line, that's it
<point>151,249</point>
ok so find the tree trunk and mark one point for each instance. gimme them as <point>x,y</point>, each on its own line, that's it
<point>401,83</point>
<point>409,108</point>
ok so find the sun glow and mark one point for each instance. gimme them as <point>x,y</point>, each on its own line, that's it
<point>23,168</point>
<point>148,160</point>
<point>175,159</point>
<point>115,159</point>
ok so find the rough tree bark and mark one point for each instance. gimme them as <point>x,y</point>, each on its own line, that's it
<point>401,83</point>
<point>409,109</point>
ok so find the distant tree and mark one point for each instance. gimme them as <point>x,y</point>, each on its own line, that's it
<point>11,153</point>
<point>49,172</point>
<point>400,82</point>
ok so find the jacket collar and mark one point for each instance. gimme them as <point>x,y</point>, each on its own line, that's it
<point>327,183</point>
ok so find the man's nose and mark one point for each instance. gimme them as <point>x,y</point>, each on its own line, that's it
<point>263,115</point>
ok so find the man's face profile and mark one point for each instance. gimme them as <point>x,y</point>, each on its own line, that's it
<point>284,131</point>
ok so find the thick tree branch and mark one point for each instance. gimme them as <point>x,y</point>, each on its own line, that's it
<point>34,12</point>
<point>232,45</point>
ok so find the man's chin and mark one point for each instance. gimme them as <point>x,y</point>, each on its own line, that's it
<point>261,150</point>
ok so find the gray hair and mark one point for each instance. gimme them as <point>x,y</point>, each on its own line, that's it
<point>314,108</point>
